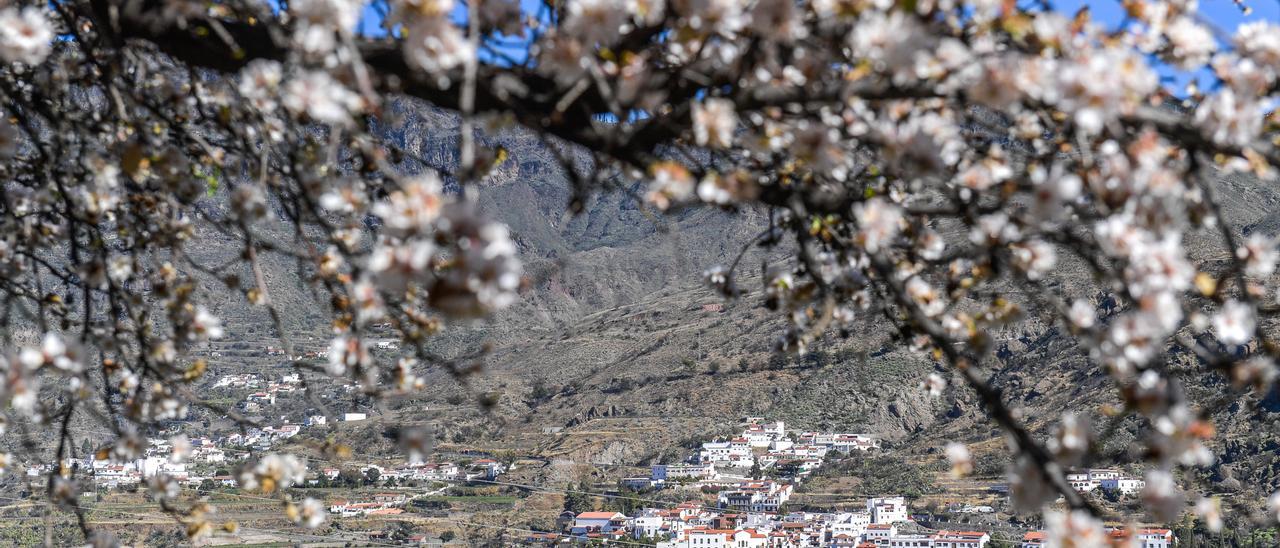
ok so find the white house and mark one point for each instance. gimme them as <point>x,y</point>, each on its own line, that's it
<point>915,540</point>
<point>780,445</point>
<point>647,525</point>
<point>887,509</point>
<point>1125,485</point>
<point>961,539</point>
<point>1146,538</point>
<point>1088,480</point>
<point>853,524</point>
<point>664,472</point>
<point>1080,482</point>
<point>736,452</point>
<point>352,417</point>
<point>597,522</point>
<point>880,533</point>
<point>756,496</point>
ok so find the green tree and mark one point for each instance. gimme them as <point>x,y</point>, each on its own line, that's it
<point>577,500</point>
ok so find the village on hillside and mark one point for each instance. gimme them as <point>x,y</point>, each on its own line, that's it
<point>752,476</point>
<point>755,474</point>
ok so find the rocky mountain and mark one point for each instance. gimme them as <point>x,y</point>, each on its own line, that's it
<point>617,355</point>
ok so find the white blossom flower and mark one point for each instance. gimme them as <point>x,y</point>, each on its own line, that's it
<point>670,183</point>
<point>344,197</point>
<point>319,20</point>
<point>934,384</point>
<point>1190,43</point>
<point>1273,505</point>
<point>714,122</point>
<point>321,98</point>
<point>596,21</point>
<point>1081,314</point>
<point>1158,265</point>
<point>273,472</point>
<point>712,16</point>
<point>484,273</point>
<point>1259,254</point>
<point>930,300</point>
<point>725,189</point>
<point>436,45</point>
<point>1260,41</point>
<point>890,41</point>
<point>181,448</point>
<point>414,208</point>
<point>1161,496</point>
<point>1209,509</point>
<point>206,326</point>
<point>120,268</point>
<point>56,351</point>
<point>1070,441</point>
<point>311,513</point>
<point>260,84</point>
<point>394,266</point>
<point>1234,325</point>
<point>1099,85</point>
<point>26,35</point>
<point>931,245</point>
<point>1074,529</point>
<point>1036,258</point>
<point>346,353</point>
<point>163,487</point>
<point>960,458</point>
<point>879,223</point>
<point>1227,119</point>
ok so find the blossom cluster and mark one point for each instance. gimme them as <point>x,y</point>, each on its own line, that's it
<point>947,169</point>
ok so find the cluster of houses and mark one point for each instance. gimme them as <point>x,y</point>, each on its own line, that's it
<point>1107,479</point>
<point>380,504</point>
<point>762,445</point>
<point>885,523</point>
<point>750,511</point>
<point>479,469</point>
<point>692,526</point>
<point>242,381</point>
<point>264,393</point>
<point>158,459</point>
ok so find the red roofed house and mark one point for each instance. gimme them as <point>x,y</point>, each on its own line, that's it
<point>880,533</point>
<point>1034,539</point>
<point>595,522</point>
<point>1146,538</point>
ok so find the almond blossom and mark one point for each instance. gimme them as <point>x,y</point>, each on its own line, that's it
<point>26,36</point>
<point>1234,325</point>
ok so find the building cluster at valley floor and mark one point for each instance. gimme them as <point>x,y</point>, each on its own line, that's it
<point>754,475</point>
<point>884,523</point>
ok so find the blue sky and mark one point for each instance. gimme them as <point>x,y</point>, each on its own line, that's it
<point>1225,15</point>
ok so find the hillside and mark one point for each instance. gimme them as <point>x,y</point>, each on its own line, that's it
<point>617,355</point>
